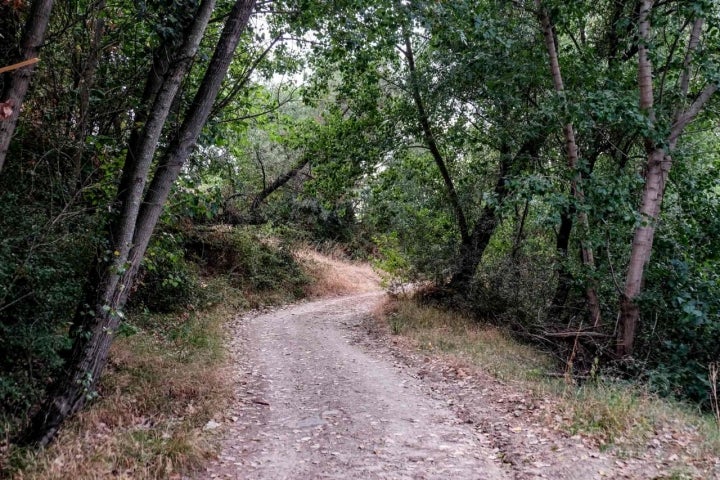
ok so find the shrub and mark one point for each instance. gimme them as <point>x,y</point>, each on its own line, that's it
<point>262,268</point>
<point>167,281</point>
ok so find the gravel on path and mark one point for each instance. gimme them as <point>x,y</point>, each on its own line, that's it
<point>312,403</point>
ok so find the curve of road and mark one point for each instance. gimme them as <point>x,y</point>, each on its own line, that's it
<point>313,403</point>
<point>318,396</point>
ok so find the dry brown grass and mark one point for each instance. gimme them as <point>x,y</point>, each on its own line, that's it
<point>432,329</point>
<point>162,386</point>
<point>615,414</point>
<point>332,276</point>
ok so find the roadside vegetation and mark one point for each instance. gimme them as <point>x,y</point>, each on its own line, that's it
<point>164,384</point>
<point>549,167</point>
<point>627,418</point>
<point>166,381</point>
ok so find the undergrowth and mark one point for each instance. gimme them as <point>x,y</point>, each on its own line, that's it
<point>262,268</point>
<point>165,377</point>
<point>615,414</point>
<point>163,384</point>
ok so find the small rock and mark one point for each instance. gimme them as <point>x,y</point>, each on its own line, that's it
<point>211,425</point>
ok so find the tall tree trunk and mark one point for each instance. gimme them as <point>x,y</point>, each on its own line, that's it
<point>564,278</point>
<point>571,150</point>
<point>658,167</point>
<point>185,140</point>
<point>94,326</point>
<point>485,226</point>
<point>84,82</point>
<point>562,245</point>
<point>144,140</point>
<point>472,250</point>
<point>471,244</point>
<point>33,37</point>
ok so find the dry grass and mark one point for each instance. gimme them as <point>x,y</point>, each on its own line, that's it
<point>331,275</point>
<point>614,414</point>
<point>162,386</point>
<point>448,332</point>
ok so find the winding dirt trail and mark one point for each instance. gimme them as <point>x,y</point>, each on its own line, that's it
<point>313,403</point>
<point>322,394</point>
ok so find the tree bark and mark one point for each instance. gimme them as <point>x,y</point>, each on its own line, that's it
<point>143,142</point>
<point>277,183</point>
<point>84,81</point>
<point>471,253</point>
<point>101,312</point>
<point>33,37</point>
<point>571,150</point>
<point>432,145</point>
<point>659,162</point>
<point>196,117</point>
<point>564,278</point>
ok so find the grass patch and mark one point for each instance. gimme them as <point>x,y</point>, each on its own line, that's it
<point>434,329</point>
<point>166,377</point>
<point>162,385</point>
<point>616,414</point>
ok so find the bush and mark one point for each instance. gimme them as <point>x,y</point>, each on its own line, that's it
<point>167,282</point>
<point>43,267</point>
<point>680,333</point>
<point>262,268</point>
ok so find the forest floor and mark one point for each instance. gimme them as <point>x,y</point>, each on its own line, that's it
<point>325,390</point>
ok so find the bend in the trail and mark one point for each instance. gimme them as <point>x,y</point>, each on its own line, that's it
<point>320,395</point>
<point>314,404</point>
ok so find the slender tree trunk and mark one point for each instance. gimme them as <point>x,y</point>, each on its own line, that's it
<point>472,244</point>
<point>520,234</point>
<point>485,226</point>
<point>254,217</point>
<point>562,245</point>
<point>84,82</point>
<point>471,252</point>
<point>572,159</point>
<point>93,329</point>
<point>185,140</point>
<point>658,167</point>
<point>33,37</point>
<point>144,142</point>
<point>564,278</point>
<point>432,145</point>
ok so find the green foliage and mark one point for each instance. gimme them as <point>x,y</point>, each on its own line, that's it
<point>354,131</point>
<point>682,305</point>
<point>42,270</point>
<point>167,282</point>
<point>262,269</point>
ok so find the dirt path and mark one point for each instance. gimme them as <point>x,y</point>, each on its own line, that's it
<point>321,395</point>
<point>312,403</point>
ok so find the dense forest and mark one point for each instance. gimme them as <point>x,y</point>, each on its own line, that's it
<point>548,166</point>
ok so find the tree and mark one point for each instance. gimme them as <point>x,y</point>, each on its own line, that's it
<point>572,158</point>
<point>660,140</point>
<point>443,99</point>
<point>15,91</point>
<point>98,318</point>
